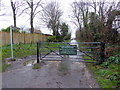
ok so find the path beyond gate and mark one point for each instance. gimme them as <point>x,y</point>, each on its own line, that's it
<point>88,52</point>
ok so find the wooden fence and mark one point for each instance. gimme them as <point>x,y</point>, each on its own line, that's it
<point>21,38</point>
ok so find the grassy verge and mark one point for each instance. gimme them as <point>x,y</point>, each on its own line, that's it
<point>19,50</point>
<point>106,74</point>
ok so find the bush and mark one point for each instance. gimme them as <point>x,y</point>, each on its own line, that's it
<point>114,76</point>
<point>23,32</point>
<point>115,59</point>
<point>59,38</point>
<point>112,59</point>
<point>51,39</point>
<point>105,64</point>
<point>67,37</point>
<point>8,30</point>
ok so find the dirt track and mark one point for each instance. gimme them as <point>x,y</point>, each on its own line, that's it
<point>51,75</point>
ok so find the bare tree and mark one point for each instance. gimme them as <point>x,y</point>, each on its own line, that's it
<point>16,10</point>
<point>103,8</point>
<point>80,13</point>
<point>33,11</point>
<point>51,14</point>
<point>106,14</point>
<point>76,17</point>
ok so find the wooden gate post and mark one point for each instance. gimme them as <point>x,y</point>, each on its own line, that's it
<point>102,52</point>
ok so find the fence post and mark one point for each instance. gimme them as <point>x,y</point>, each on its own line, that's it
<point>37,52</point>
<point>102,52</point>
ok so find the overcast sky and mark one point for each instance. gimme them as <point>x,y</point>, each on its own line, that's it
<point>23,21</point>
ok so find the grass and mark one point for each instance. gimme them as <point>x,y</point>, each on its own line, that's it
<point>106,74</point>
<point>19,51</point>
<point>106,77</point>
<point>87,57</point>
<point>4,67</point>
<point>36,66</point>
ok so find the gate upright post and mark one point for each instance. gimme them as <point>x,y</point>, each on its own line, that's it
<point>37,52</point>
<point>102,53</point>
<point>40,52</point>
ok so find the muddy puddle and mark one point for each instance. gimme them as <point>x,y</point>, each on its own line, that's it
<point>30,63</point>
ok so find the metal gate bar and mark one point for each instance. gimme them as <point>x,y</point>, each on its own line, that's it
<point>93,46</point>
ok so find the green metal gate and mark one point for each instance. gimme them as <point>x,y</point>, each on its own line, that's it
<point>88,52</point>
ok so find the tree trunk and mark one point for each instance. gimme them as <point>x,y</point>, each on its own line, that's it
<point>31,24</point>
<point>31,18</point>
<point>14,14</point>
<point>14,17</point>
